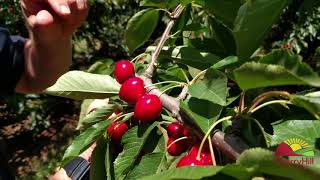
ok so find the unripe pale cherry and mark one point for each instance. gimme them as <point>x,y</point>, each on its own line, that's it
<point>123,71</point>
<point>116,130</point>
<point>148,108</point>
<point>131,90</point>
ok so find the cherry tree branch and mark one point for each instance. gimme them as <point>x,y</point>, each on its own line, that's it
<point>170,103</point>
<point>174,15</point>
<point>230,145</point>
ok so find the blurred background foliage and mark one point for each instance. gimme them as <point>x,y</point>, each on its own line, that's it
<point>51,121</point>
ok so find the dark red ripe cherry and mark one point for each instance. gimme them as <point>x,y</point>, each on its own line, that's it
<point>205,155</point>
<point>148,108</point>
<point>116,130</point>
<point>123,71</point>
<point>131,90</point>
<point>175,130</point>
<point>177,148</point>
<point>188,161</point>
<point>191,160</point>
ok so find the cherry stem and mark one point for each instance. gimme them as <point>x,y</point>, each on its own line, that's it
<point>169,88</point>
<point>209,132</point>
<point>282,102</point>
<point>123,115</point>
<point>164,82</point>
<point>197,77</point>
<point>164,10</point>
<point>267,95</point>
<point>138,57</point>
<point>262,130</point>
<point>177,140</point>
<point>212,152</point>
<point>242,103</point>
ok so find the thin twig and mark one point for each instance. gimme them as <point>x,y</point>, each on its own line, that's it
<point>183,93</point>
<point>242,103</point>
<point>174,15</point>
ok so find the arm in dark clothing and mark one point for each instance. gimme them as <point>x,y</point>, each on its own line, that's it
<point>11,61</point>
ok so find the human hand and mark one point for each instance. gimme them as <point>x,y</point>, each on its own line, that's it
<point>53,20</point>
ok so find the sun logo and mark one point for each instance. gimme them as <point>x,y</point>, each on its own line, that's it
<point>296,144</point>
<point>294,147</point>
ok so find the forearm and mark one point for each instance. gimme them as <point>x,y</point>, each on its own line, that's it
<point>44,64</point>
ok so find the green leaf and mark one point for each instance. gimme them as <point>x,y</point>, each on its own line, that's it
<point>230,171</point>
<point>160,3</point>
<point>253,22</point>
<point>98,115</point>
<point>83,112</point>
<point>81,85</point>
<point>309,6</point>
<point>225,36</point>
<point>97,168</point>
<point>104,66</point>
<point>84,140</point>
<point>108,163</point>
<point>306,130</point>
<point>174,73</point>
<point>226,62</point>
<point>185,2</point>
<point>148,165</point>
<point>310,102</point>
<point>186,173</point>
<point>213,87</point>
<point>202,112</point>
<point>140,27</point>
<point>276,69</point>
<point>225,10</point>
<point>263,161</point>
<point>188,56</point>
<point>132,141</point>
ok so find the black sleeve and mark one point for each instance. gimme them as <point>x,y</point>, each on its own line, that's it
<point>11,61</point>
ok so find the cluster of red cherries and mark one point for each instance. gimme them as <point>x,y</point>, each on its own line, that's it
<point>179,142</point>
<point>147,108</point>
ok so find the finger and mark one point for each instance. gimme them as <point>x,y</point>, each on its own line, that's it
<point>44,26</point>
<point>82,4</point>
<point>60,7</point>
<point>31,21</point>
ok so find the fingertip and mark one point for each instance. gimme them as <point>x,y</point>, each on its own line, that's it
<point>44,18</point>
<point>60,7</point>
<point>64,9</point>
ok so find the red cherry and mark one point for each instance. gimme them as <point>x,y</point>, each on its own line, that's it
<point>131,90</point>
<point>195,148</point>
<point>148,108</point>
<point>175,130</point>
<point>188,161</point>
<point>116,130</point>
<point>123,71</point>
<point>177,148</point>
<point>205,155</point>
